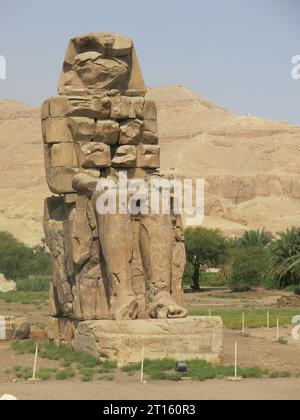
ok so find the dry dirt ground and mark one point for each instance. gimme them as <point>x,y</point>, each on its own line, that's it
<point>263,389</point>
<point>257,348</point>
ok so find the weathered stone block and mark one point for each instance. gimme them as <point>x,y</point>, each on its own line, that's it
<point>82,129</point>
<point>45,110</point>
<point>64,154</point>
<point>120,107</point>
<point>107,132</point>
<point>60,179</point>
<point>178,339</point>
<point>93,155</point>
<point>125,157</point>
<point>131,132</point>
<point>148,157</point>
<point>22,328</point>
<point>149,138</point>
<point>80,106</point>
<point>137,108</point>
<point>56,130</point>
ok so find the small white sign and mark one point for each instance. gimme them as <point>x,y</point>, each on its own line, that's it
<point>296,329</point>
<point>2,328</point>
<point>2,67</point>
<point>296,67</point>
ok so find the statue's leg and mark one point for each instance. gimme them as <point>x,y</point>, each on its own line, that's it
<point>157,238</point>
<point>116,238</point>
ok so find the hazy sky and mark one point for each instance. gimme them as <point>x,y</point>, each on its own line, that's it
<point>236,53</point>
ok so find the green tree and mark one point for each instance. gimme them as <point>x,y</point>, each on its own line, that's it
<point>285,257</point>
<point>31,268</point>
<point>205,248</point>
<point>16,259</point>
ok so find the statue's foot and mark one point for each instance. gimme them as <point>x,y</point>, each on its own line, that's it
<point>164,307</point>
<point>125,308</point>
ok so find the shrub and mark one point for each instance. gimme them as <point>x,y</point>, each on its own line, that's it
<point>45,374</point>
<point>34,283</point>
<point>270,283</point>
<point>249,269</point>
<point>87,374</point>
<point>65,374</point>
<point>297,291</point>
<point>280,374</point>
<point>107,378</point>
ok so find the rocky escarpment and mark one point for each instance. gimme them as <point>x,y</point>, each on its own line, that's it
<point>251,166</point>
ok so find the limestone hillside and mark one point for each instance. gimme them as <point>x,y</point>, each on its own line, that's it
<point>251,166</point>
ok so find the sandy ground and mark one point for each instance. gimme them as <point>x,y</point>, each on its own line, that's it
<point>263,389</point>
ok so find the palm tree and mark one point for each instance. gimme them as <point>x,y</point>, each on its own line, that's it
<point>285,257</point>
<point>254,238</point>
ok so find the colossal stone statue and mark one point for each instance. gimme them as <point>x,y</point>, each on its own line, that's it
<point>106,266</point>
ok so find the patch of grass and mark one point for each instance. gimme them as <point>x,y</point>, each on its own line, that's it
<point>291,288</point>
<point>103,370</point>
<point>51,351</point>
<point>65,374</point>
<point>25,298</point>
<point>198,370</point>
<point>23,373</point>
<point>254,319</point>
<point>280,374</point>
<point>131,367</point>
<point>86,360</point>
<point>107,378</point>
<point>227,296</point>
<point>24,346</point>
<point>282,341</point>
<point>133,373</point>
<point>16,369</point>
<point>109,364</point>
<point>87,374</point>
<point>45,374</point>
<point>251,373</point>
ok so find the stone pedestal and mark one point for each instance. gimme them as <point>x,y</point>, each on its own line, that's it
<point>178,339</point>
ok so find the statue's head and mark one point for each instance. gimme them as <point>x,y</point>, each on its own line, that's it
<point>102,61</point>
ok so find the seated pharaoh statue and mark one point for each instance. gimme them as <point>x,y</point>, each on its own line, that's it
<point>101,130</point>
